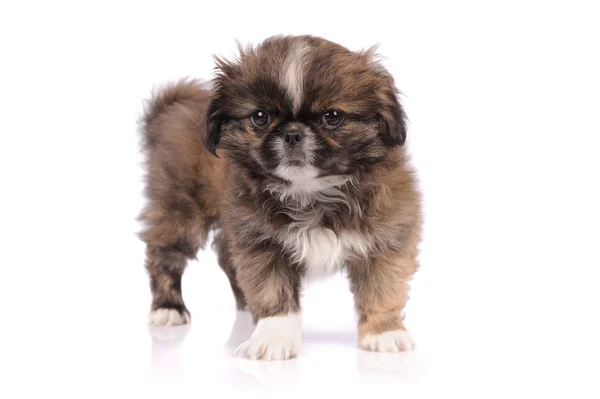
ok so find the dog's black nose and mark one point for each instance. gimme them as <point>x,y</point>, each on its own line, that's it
<point>293,138</point>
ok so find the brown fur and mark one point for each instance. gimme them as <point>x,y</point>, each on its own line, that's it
<point>183,187</point>
<point>190,191</point>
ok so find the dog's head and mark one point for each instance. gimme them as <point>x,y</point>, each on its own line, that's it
<point>301,107</point>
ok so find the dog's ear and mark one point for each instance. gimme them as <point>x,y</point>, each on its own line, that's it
<point>392,116</point>
<point>226,73</point>
<point>214,121</point>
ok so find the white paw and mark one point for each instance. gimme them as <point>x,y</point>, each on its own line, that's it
<point>389,341</point>
<point>274,338</point>
<point>167,317</point>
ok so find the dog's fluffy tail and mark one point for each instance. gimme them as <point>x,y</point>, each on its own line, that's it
<point>178,92</point>
<point>184,92</point>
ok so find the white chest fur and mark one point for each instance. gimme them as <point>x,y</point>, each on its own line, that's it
<point>321,251</point>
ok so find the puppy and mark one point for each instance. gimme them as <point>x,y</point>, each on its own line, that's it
<point>295,157</point>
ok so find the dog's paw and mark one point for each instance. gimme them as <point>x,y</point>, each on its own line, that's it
<point>389,341</point>
<point>274,338</point>
<point>272,348</point>
<point>165,317</point>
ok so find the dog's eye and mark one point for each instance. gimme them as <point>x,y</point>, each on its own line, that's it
<point>332,118</point>
<point>260,118</point>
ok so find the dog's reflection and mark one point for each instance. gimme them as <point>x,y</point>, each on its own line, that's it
<point>166,350</point>
<point>394,366</point>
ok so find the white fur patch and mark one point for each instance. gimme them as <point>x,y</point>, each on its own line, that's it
<point>305,185</point>
<point>293,76</point>
<point>167,317</point>
<point>321,251</point>
<point>297,175</point>
<point>274,338</point>
<point>389,341</point>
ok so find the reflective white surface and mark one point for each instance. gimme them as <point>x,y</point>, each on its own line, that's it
<point>503,105</point>
<point>473,342</point>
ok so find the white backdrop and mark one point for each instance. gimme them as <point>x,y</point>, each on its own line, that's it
<point>504,129</point>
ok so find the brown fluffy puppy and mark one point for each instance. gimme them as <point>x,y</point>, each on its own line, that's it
<point>295,155</point>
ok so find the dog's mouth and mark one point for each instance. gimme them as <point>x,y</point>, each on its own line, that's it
<point>295,162</point>
<point>294,158</point>
<point>296,153</point>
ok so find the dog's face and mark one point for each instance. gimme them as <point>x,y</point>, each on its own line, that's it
<point>303,107</point>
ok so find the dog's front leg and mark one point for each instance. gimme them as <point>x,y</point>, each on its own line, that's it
<point>271,286</point>
<point>380,287</point>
